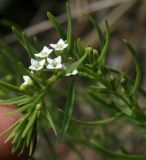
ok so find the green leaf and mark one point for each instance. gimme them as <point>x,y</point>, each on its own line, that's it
<point>76,64</point>
<point>15,100</point>
<point>37,44</point>
<point>138,68</point>
<point>13,60</point>
<point>123,107</point>
<point>100,35</point>
<point>29,136</point>
<point>8,23</point>
<point>30,49</point>
<point>30,123</point>
<point>102,99</point>
<point>114,155</point>
<point>24,42</point>
<point>50,120</point>
<point>69,29</point>
<point>69,108</point>
<point>101,58</point>
<point>98,122</point>
<point>11,55</point>
<point>9,86</point>
<point>80,47</point>
<point>8,51</point>
<point>32,146</point>
<point>10,128</point>
<point>24,108</point>
<point>57,25</point>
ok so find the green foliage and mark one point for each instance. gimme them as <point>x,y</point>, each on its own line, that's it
<point>105,89</point>
<point>69,108</point>
<point>57,25</point>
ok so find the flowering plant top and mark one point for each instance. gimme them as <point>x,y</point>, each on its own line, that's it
<point>34,90</point>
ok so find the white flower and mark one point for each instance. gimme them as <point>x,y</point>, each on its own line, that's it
<point>45,52</point>
<point>54,63</point>
<point>27,80</point>
<point>74,72</point>
<point>60,45</point>
<point>37,65</point>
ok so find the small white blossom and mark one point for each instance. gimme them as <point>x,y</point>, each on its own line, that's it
<point>27,80</point>
<point>44,53</point>
<point>60,45</point>
<point>54,63</point>
<point>74,72</point>
<point>37,65</point>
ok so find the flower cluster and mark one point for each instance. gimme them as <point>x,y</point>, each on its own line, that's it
<point>43,59</point>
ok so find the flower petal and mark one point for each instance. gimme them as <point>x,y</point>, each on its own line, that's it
<point>33,61</point>
<point>47,50</point>
<point>61,42</point>
<point>27,80</point>
<point>32,68</point>
<point>50,60</point>
<point>74,72</point>
<point>53,45</point>
<point>49,66</point>
<point>38,54</point>
<point>42,62</point>
<point>58,66</point>
<point>57,59</point>
<point>65,45</point>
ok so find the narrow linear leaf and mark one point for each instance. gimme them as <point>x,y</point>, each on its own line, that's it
<point>30,124</point>
<point>22,147</point>
<point>100,90</point>
<point>32,146</point>
<point>138,67</point>
<point>50,120</point>
<point>11,55</point>
<point>19,35</point>
<point>24,42</point>
<point>17,145</point>
<point>76,64</point>
<point>98,122</point>
<point>102,99</point>
<point>37,44</point>
<point>8,23</point>
<point>114,155</point>
<point>21,109</point>
<point>69,108</point>
<point>9,86</point>
<point>80,47</point>
<point>101,58</point>
<point>18,129</point>
<point>15,100</point>
<point>29,136</point>
<point>10,128</point>
<point>4,45</point>
<point>98,30</point>
<point>30,49</point>
<point>69,29</point>
<point>57,25</point>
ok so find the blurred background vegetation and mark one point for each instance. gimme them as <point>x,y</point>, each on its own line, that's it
<point>127,19</point>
